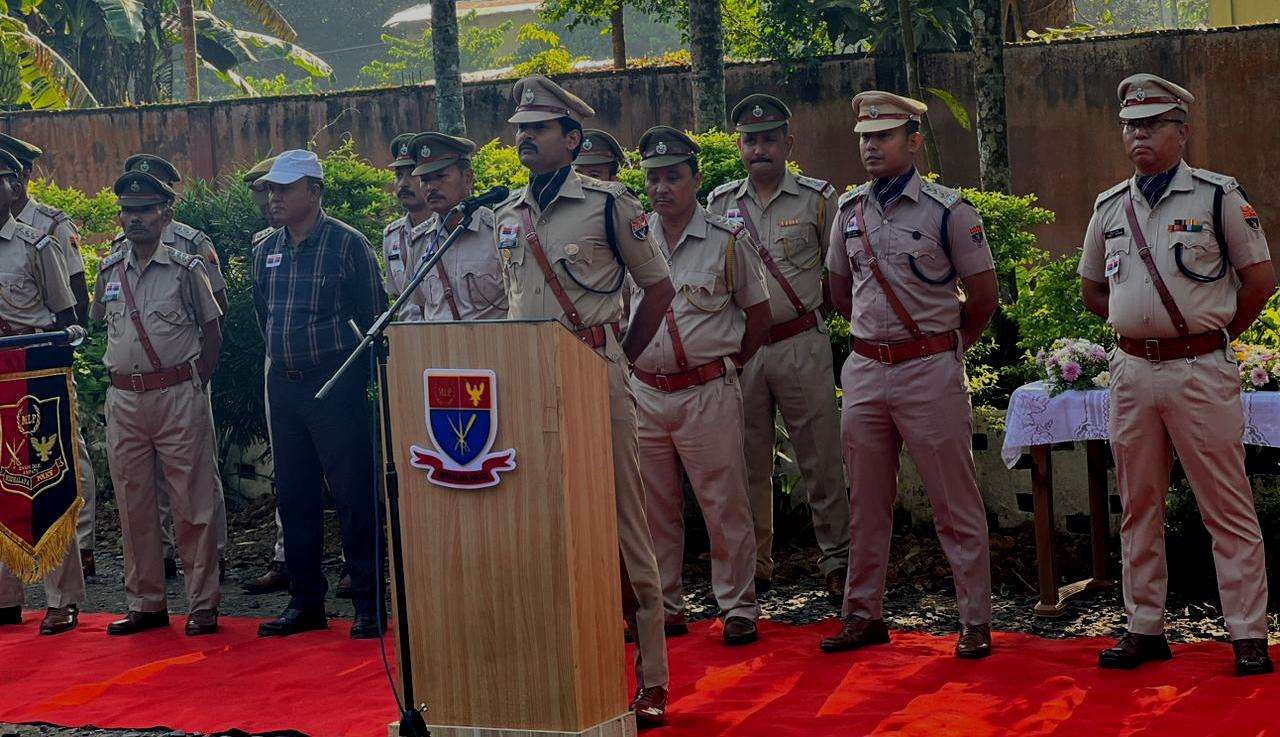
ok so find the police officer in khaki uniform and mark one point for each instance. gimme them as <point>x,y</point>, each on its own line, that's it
<point>404,238</point>
<point>163,338</point>
<point>688,402</point>
<point>35,298</point>
<point>1176,261</point>
<point>566,242</point>
<point>59,226</point>
<point>601,156</point>
<point>790,217</point>
<point>467,283</point>
<point>901,250</point>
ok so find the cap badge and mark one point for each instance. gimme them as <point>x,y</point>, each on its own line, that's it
<point>144,166</point>
<point>873,111</point>
<point>1140,94</point>
<point>586,145</point>
<point>404,149</point>
<point>134,186</point>
<point>425,152</point>
<point>527,97</point>
<point>661,148</point>
<point>757,111</point>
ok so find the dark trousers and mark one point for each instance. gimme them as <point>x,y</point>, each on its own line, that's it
<point>313,442</point>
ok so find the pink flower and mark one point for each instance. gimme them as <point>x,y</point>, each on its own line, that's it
<point>1070,371</point>
<point>1259,376</point>
<point>1097,353</point>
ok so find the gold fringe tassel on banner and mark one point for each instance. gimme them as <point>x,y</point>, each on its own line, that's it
<point>29,563</point>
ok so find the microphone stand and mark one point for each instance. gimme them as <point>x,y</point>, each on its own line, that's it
<point>53,337</point>
<point>412,723</point>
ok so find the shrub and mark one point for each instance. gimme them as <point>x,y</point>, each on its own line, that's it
<point>1049,305</point>
<point>497,164</point>
<point>95,216</point>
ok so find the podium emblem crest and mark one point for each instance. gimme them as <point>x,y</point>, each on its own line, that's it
<point>462,423</point>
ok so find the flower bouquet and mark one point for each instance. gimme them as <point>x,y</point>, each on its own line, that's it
<point>1259,367</point>
<point>1071,364</point>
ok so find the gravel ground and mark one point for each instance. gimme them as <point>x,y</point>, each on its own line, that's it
<point>919,596</point>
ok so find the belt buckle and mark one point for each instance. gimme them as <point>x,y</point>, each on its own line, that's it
<point>662,383</point>
<point>1151,346</point>
<point>884,353</point>
<point>135,382</point>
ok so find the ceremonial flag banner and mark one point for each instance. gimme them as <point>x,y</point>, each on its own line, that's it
<point>39,485</point>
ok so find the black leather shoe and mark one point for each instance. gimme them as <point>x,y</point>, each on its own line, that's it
<point>170,569</point>
<point>974,642</point>
<point>11,615</point>
<point>60,619</point>
<point>739,631</point>
<point>1132,650</point>
<point>275,579</point>
<point>367,627</point>
<point>135,622</point>
<point>202,622</point>
<point>1251,657</point>
<point>293,621</point>
<point>676,625</point>
<point>650,706</point>
<point>856,632</point>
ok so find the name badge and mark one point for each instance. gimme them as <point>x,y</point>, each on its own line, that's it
<point>1113,265</point>
<point>111,292</point>
<point>508,235</point>
<point>274,259</point>
<point>1113,233</point>
<point>393,252</point>
<point>851,229</point>
<point>735,216</point>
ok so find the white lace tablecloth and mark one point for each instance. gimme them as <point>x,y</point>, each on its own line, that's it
<point>1035,418</point>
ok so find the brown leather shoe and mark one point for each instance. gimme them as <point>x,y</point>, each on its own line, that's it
<point>60,619</point>
<point>676,625</point>
<point>135,622</point>
<point>974,642</point>
<point>1251,657</point>
<point>87,563</point>
<point>856,632</point>
<point>835,586</point>
<point>1132,650</point>
<point>344,588</point>
<point>275,579</point>
<point>202,622</point>
<point>650,706</point>
<point>739,631</point>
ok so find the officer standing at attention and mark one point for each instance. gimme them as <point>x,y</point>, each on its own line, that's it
<point>467,283</point>
<point>36,298</point>
<point>193,241</point>
<point>163,338</point>
<point>59,226</point>
<point>601,156</point>
<point>1176,261</point>
<point>688,402</point>
<point>901,251</point>
<point>404,238</point>
<point>566,242</point>
<point>789,217</point>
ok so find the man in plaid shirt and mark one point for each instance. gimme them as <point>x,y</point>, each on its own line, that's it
<point>310,278</point>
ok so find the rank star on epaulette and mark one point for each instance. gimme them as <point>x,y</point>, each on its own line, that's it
<point>640,226</point>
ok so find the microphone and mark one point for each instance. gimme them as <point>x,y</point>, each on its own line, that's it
<point>487,199</point>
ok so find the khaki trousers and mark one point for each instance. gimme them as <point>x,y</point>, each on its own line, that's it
<point>163,492</point>
<point>173,430</point>
<point>63,586</point>
<point>1192,408</point>
<point>924,403</point>
<point>701,429</point>
<point>795,377</point>
<point>642,604</point>
<point>86,537</point>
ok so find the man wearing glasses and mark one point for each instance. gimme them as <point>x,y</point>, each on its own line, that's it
<point>1176,261</point>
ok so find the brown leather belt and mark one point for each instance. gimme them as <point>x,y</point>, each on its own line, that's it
<point>683,380</point>
<point>594,336</point>
<point>791,328</point>
<point>152,380</point>
<point>891,353</point>
<point>1167,349</point>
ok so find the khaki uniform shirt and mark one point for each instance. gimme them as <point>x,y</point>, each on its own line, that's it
<point>911,231</point>
<point>34,286</point>
<point>1183,215</point>
<point>174,300</point>
<point>402,244</point>
<point>55,223</point>
<point>473,269</point>
<point>191,241</point>
<point>793,225</point>
<point>572,233</point>
<point>717,275</point>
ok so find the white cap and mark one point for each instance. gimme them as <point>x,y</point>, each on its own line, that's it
<point>291,166</point>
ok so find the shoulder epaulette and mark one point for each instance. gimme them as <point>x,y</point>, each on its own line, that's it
<point>723,189</point>
<point>732,227</point>
<point>112,259</point>
<point>945,196</point>
<point>821,186</point>
<point>1115,190</point>
<point>617,189</point>
<point>395,225</point>
<point>25,232</point>
<point>852,194</point>
<point>181,258</point>
<point>51,211</point>
<point>485,216</point>
<point>186,231</point>
<point>516,194</point>
<point>1228,184</point>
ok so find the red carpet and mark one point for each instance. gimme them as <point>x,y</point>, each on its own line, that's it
<point>324,684</point>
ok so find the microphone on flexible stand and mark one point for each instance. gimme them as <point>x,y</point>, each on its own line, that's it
<point>486,199</point>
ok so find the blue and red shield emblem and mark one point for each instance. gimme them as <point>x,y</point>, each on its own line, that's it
<point>462,422</point>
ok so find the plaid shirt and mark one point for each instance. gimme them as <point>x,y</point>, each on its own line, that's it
<point>305,294</point>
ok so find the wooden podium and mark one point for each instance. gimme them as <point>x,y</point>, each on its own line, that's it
<point>514,607</point>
